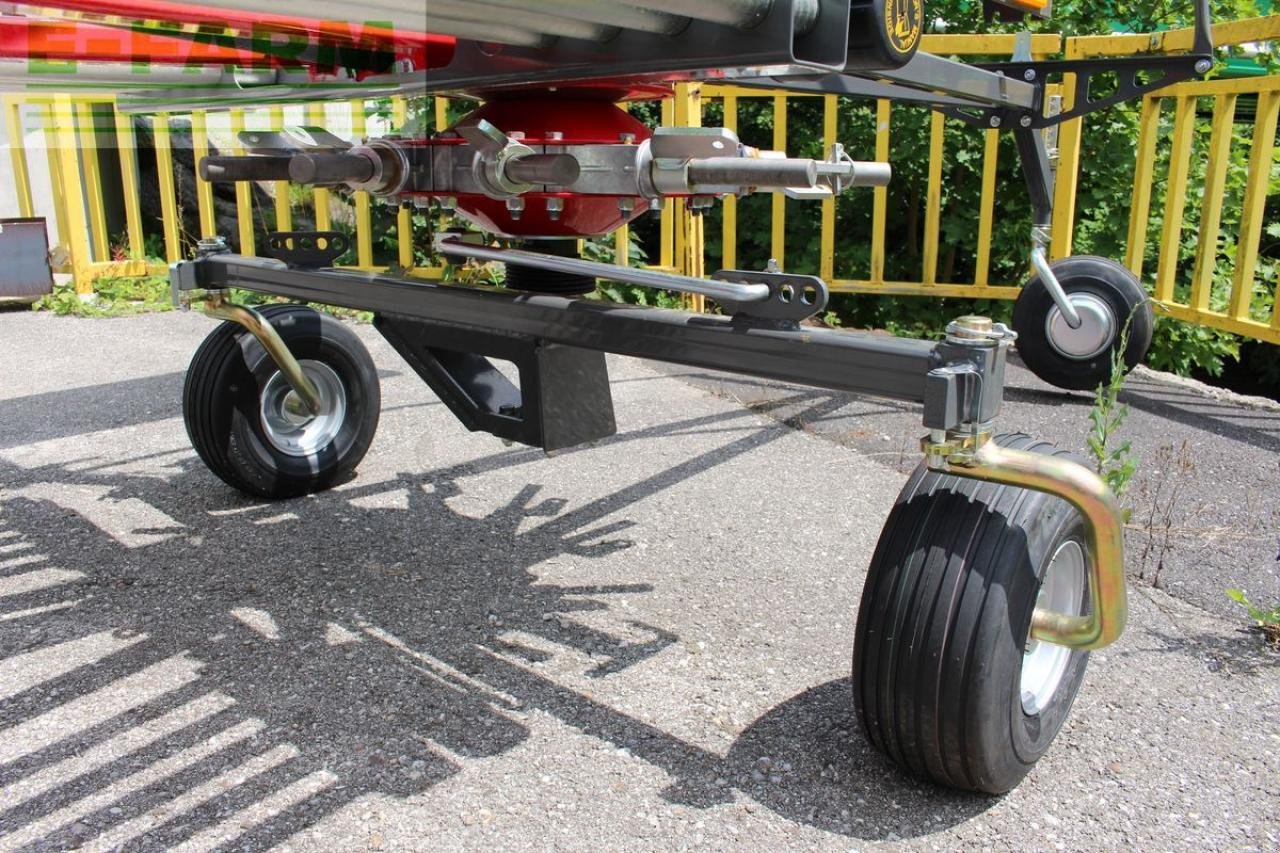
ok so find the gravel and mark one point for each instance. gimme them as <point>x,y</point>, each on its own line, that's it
<point>639,644</point>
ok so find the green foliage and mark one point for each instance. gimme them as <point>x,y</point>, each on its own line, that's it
<point>1180,348</point>
<point>1115,463</point>
<point>113,297</point>
<point>1266,619</point>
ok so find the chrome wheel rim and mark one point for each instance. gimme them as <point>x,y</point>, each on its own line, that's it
<point>1061,591</point>
<point>1097,327</point>
<point>288,426</point>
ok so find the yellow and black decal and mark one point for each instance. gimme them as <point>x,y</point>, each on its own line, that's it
<point>903,23</point>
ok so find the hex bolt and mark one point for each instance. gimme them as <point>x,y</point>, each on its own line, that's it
<point>1203,66</point>
<point>555,135</point>
<point>515,207</point>
<point>627,138</point>
<point>656,207</point>
<point>1025,121</point>
<point>995,121</point>
<point>554,208</point>
<point>626,205</point>
<point>1029,74</point>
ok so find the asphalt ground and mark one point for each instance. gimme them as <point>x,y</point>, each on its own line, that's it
<point>643,644</point>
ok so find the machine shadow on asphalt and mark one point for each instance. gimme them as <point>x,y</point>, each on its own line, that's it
<point>256,685</point>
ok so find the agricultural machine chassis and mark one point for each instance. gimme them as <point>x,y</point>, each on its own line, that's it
<point>1001,565</point>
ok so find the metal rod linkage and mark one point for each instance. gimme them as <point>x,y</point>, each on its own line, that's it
<point>308,395</point>
<point>631,275</point>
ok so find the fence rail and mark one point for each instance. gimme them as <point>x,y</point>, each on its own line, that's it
<point>76,130</point>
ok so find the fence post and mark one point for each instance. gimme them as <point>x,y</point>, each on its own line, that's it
<point>1067,177</point>
<point>127,146</point>
<point>62,117</point>
<point>12,119</point>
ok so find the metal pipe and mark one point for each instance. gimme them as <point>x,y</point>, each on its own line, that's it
<point>224,168</point>
<point>630,275</point>
<point>531,17</point>
<point>734,13</point>
<point>983,459</point>
<point>559,170</point>
<point>485,32</point>
<point>328,168</point>
<point>771,172</point>
<point>624,15</point>
<point>1040,263</point>
<point>218,307</point>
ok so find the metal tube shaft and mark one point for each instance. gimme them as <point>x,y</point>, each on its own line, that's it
<point>734,13</point>
<point>752,172</point>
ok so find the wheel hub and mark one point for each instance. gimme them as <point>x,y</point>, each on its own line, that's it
<point>1062,591</point>
<point>286,421</point>
<point>1096,332</point>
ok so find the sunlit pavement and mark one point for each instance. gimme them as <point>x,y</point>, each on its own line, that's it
<point>643,643</point>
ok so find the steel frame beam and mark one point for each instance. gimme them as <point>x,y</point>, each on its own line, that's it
<point>960,383</point>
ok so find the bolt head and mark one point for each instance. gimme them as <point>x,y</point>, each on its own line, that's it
<point>995,121</point>
<point>1025,121</point>
<point>1029,74</point>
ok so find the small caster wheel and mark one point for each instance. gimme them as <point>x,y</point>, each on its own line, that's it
<point>234,405</point>
<point>1106,296</point>
<point>946,681</point>
<point>884,33</point>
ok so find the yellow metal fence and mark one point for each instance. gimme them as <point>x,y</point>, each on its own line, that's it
<point>71,128</point>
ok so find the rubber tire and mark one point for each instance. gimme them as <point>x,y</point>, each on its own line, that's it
<point>871,45</point>
<point>1082,273</point>
<point>942,627</point>
<point>220,404</point>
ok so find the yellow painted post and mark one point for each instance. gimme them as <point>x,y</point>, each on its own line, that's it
<point>1255,200</point>
<point>667,226</point>
<point>284,211</point>
<point>168,187</point>
<point>204,190</point>
<point>404,215</point>
<point>1215,181</point>
<point>364,227</point>
<point>729,214</point>
<point>830,126</point>
<point>62,120</point>
<point>689,228</point>
<point>1067,176</point>
<point>60,197</point>
<point>244,193</point>
<point>880,197</point>
<point>441,113</point>
<point>933,200</point>
<point>127,146</point>
<point>320,195</point>
<point>88,138</point>
<point>778,220</point>
<point>1184,119</point>
<point>12,118</point>
<point>986,208</point>
<point>1140,206</point>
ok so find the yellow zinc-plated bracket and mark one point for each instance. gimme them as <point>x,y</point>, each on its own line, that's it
<point>978,457</point>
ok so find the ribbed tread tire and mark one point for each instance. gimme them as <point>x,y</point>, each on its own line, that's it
<point>220,404</point>
<point>943,623</point>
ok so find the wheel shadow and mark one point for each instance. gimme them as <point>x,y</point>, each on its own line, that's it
<point>269,664</point>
